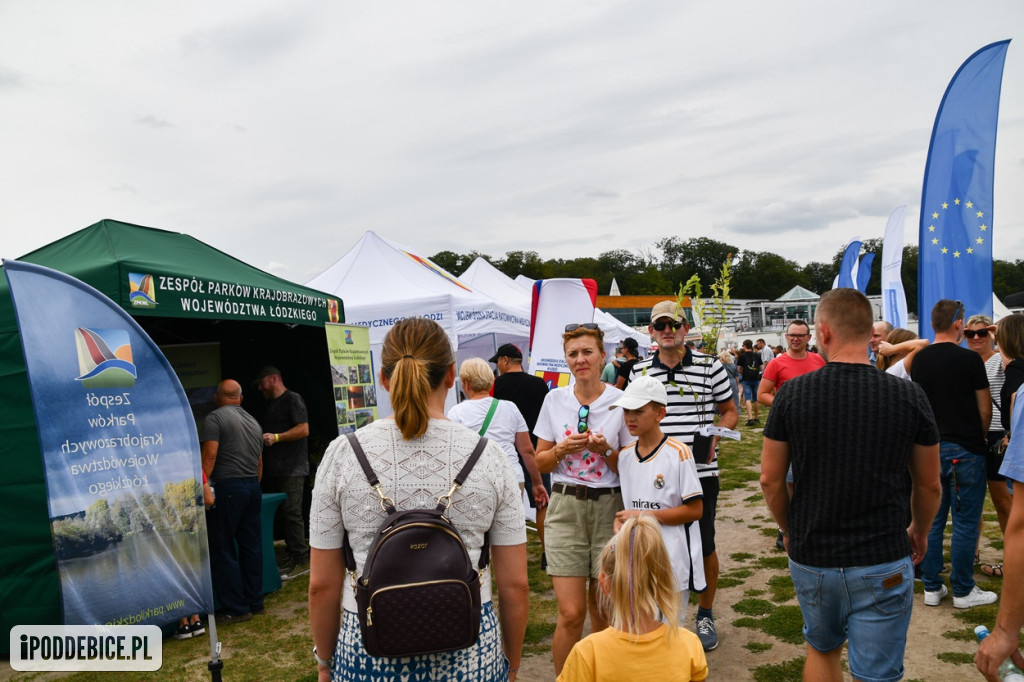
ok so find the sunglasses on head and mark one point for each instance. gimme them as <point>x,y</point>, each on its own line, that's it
<point>585,325</point>
<point>584,415</point>
<point>956,314</point>
<point>980,333</point>
<point>660,325</point>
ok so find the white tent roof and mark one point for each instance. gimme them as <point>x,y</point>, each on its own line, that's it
<point>488,279</point>
<point>382,282</point>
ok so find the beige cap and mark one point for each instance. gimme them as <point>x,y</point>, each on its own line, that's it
<point>667,309</point>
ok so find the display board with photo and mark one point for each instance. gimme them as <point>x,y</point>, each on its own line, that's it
<point>355,396</point>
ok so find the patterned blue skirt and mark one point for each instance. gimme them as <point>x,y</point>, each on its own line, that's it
<point>483,662</point>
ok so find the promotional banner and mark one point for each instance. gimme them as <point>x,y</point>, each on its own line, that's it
<point>894,299</point>
<point>556,303</point>
<point>847,277</point>
<point>955,236</point>
<point>355,396</point>
<point>121,457</point>
<point>864,272</point>
<point>176,296</point>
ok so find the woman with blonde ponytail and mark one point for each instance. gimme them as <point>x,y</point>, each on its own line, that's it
<point>416,455</point>
<point>641,604</point>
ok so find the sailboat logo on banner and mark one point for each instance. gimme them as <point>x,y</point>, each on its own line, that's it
<point>105,358</point>
<point>142,291</point>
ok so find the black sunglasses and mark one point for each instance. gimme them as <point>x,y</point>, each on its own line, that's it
<point>980,333</point>
<point>584,415</point>
<point>660,326</point>
<point>585,325</point>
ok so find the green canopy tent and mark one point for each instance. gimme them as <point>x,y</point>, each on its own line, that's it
<point>180,291</point>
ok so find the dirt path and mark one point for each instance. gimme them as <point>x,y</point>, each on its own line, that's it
<point>743,528</point>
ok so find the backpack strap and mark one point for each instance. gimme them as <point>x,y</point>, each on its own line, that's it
<point>385,502</point>
<point>460,478</point>
<point>490,414</point>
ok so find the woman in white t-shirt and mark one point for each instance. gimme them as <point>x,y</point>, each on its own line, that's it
<point>506,427</point>
<point>578,441</point>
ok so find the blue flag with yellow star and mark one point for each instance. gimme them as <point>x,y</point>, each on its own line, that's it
<point>955,260</point>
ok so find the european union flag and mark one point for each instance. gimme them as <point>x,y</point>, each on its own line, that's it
<point>955,259</point>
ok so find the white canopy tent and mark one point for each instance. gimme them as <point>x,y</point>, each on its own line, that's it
<point>383,282</point>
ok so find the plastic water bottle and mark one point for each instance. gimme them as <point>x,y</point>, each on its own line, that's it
<point>1008,672</point>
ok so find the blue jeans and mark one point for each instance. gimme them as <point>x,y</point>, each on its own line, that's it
<point>750,389</point>
<point>237,572</point>
<point>963,491</point>
<point>869,605</point>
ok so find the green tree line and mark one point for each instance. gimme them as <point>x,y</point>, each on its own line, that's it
<point>662,267</point>
<point>105,523</point>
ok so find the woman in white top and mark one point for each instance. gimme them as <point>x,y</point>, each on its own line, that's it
<point>416,455</point>
<point>507,427</point>
<point>578,440</point>
<point>980,334</point>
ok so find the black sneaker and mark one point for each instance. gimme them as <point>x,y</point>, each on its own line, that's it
<point>184,632</point>
<point>751,422</point>
<point>228,618</point>
<point>298,567</point>
<point>286,567</point>
<point>197,628</point>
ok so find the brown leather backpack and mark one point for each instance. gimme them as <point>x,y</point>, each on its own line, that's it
<point>419,592</point>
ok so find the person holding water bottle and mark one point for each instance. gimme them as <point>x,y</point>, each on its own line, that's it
<point>1004,641</point>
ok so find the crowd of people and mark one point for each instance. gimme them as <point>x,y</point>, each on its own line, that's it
<point>860,469</point>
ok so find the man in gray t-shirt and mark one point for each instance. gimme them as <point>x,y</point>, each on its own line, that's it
<point>232,450</point>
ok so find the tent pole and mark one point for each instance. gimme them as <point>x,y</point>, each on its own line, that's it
<point>216,664</point>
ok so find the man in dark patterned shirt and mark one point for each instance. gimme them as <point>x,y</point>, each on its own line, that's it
<point>865,456</point>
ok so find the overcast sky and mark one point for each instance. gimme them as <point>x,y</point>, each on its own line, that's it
<point>281,131</point>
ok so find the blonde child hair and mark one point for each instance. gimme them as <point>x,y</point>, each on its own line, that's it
<point>637,578</point>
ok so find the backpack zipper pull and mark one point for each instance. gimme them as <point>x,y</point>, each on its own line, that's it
<point>369,616</point>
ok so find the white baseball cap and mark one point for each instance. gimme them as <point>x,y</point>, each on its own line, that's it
<point>641,391</point>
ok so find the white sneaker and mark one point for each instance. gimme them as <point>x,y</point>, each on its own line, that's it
<point>933,598</point>
<point>976,597</point>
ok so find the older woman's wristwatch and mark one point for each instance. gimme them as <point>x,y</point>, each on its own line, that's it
<point>325,663</point>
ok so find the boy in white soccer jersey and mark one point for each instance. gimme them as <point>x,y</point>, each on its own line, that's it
<point>659,477</point>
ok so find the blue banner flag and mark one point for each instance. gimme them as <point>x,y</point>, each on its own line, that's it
<point>847,268</point>
<point>955,260</point>
<point>864,272</point>
<point>121,457</point>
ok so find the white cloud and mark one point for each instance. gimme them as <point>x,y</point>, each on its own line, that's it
<point>565,128</point>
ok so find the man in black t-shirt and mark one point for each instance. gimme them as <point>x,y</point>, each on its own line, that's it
<point>865,456</point>
<point>956,384</point>
<point>630,351</point>
<point>750,366</point>
<point>285,462</point>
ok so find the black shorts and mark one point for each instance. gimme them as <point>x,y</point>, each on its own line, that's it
<point>709,485</point>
